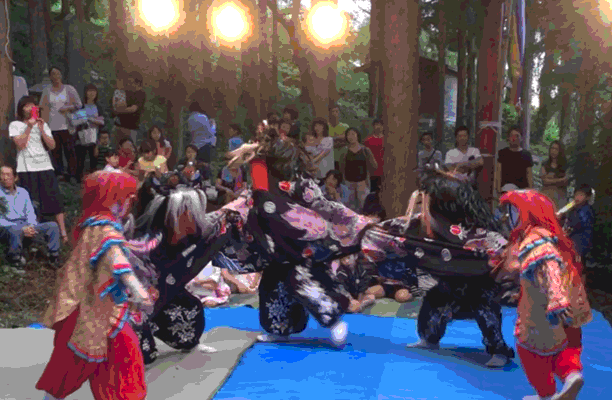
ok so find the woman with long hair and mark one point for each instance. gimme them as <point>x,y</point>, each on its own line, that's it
<point>554,174</point>
<point>553,304</point>
<point>91,306</point>
<point>33,138</point>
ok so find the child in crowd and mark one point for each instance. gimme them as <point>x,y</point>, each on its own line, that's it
<point>87,134</point>
<point>333,188</point>
<point>112,162</point>
<point>150,162</point>
<point>356,277</point>
<point>127,153</point>
<point>235,134</point>
<point>230,183</point>
<point>193,169</point>
<point>102,149</point>
<point>285,127</point>
<point>580,221</point>
<point>162,145</point>
<point>429,155</point>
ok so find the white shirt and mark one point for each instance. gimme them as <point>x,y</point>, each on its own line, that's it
<point>327,163</point>
<point>34,157</point>
<point>58,100</point>
<point>454,156</point>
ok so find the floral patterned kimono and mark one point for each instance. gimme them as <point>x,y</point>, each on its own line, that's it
<point>89,314</point>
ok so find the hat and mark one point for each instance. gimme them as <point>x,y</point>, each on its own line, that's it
<point>508,187</point>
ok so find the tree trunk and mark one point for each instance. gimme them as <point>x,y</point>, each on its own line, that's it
<point>79,10</point>
<point>585,170</point>
<point>7,149</point>
<point>470,86</point>
<point>117,19</point>
<point>401,115</point>
<point>48,27</point>
<point>275,49</point>
<point>528,71</point>
<point>38,39</point>
<point>488,95</point>
<point>250,72</point>
<point>462,62</point>
<point>377,55</point>
<point>440,123</point>
<point>563,117</point>
<point>267,79</point>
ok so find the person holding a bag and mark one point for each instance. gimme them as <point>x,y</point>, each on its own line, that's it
<point>34,168</point>
<point>58,101</point>
<point>89,122</point>
<point>356,166</point>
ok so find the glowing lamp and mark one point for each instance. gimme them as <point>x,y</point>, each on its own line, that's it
<point>326,24</point>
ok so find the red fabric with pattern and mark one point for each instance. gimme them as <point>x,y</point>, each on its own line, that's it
<point>120,377</point>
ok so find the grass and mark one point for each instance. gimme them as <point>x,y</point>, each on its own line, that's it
<point>23,298</point>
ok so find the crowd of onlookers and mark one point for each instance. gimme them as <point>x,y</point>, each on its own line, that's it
<point>55,136</point>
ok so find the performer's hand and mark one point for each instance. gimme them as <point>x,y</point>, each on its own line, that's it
<point>564,318</point>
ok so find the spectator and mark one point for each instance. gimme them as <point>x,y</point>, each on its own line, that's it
<point>58,100</point>
<point>428,155</point>
<point>322,147</point>
<point>130,114</point>
<point>336,132</point>
<point>554,175</point>
<point>150,162</point>
<point>192,168</point>
<point>210,287</point>
<point>102,149</point>
<point>88,133</point>
<point>464,159</point>
<point>292,114</point>
<point>333,188</point>
<point>356,277</point>
<point>20,221</point>
<point>580,221</point>
<point>203,132</point>
<point>112,162</point>
<point>230,182</point>
<point>514,164</point>
<point>235,137</point>
<point>34,166</point>
<point>162,145</point>
<point>285,127</point>
<point>127,156</point>
<point>376,144</point>
<point>373,206</point>
<point>355,168</point>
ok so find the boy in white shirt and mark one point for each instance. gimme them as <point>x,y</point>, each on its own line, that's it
<point>466,160</point>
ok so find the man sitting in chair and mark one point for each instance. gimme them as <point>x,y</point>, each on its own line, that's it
<point>19,222</point>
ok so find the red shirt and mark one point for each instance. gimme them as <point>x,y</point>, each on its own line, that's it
<point>377,146</point>
<point>125,157</point>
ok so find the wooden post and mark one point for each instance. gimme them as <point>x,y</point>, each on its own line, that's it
<point>440,122</point>
<point>488,121</point>
<point>401,106</point>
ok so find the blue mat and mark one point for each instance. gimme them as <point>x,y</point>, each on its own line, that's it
<point>376,365</point>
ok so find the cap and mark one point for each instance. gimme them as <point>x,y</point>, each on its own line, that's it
<point>508,187</point>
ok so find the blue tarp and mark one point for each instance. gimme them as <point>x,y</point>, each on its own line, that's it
<point>375,364</point>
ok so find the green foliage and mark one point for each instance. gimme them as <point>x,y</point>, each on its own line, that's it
<point>552,131</point>
<point>510,117</point>
<point>3,206</point>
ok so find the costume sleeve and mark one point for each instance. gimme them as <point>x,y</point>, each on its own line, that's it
<point>112,255</point>
<point>550,274</point>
